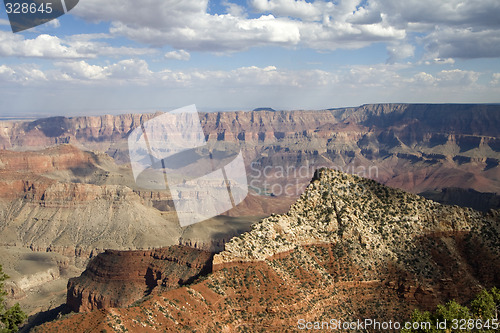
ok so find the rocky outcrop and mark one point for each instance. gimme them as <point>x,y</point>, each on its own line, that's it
<point>65,200</point>
<point>348,248</point>
<point>338,206</point>
<point>118,278</point>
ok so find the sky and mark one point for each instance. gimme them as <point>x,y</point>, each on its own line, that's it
<point>122,56</point>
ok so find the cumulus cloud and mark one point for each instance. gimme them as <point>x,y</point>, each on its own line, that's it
<point>22,74</point>
<point>399,52</point>
<point>463,43</point>
<point>216,33</point>
<point>441,61</point>
<point>178,55</point>
<point>454,77</point>
<point>54,23</point>
<point>382,75</point>
<point>187,25</point>
<point>495,78</point>
<point>293,8</point>
<point>45,46</point>
<point>451,12</point>
<point>458,77</point>
<point>424,78</point>
<point>234,9</point>
<point>450,29</point>
<point>53,47</point>
<point>129,70</point>
<point>81,70</point>
<point>137,72</point>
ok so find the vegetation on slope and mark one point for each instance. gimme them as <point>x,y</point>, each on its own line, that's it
<point>480,316</point>
<point>10,318</point>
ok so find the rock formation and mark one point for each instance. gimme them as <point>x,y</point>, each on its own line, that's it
<point>416,147</point>
<point>348,249</point>
<point>78,197</point>
<point>77,203</point>
<point>118,278</point>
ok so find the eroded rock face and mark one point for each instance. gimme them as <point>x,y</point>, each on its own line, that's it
<point>56,158</point>
<point>336,207</point>
<point>415,147</point>
<point>118,278</point>
<point>66,200</point>
<point>348,248</point>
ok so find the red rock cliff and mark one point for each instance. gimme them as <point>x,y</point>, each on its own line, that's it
<point>118,278</point>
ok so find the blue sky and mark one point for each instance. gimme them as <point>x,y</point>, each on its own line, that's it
<point>120,56</point>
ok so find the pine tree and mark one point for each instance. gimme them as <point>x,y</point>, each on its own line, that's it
<point>10,318</point>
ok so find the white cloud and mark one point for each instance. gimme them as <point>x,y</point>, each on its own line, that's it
<point>6,72</point>
<point>463,43</point>
<point>293,8</point>
<point>130,69</point>
<point>131,83</point>
<point>216,33</point>
<point>447,78</point>
<point>424,78</point>
<point>188,26</point>
<point>82,70</point>
<point>234,9</point>
<point>449,29</point>
<point>399,52</point>
<point>381,75</point>
<point>132,72</point>
<point>458,77</point>
<point>495,78</point>
<point>54,23</point>
<point>441,61</point>
<point>43,46</point>
<point>452,28</point>
<point>53,47</point>
<point>451,12</point>
<point>178,55</point>
<point>21,74</point>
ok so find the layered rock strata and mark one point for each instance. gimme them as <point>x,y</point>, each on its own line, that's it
<point>348,249</point>
<point>117,279</point>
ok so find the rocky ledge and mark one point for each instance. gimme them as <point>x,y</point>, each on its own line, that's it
<point>118,278</point>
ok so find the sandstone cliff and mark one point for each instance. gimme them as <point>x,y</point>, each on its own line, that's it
<point>78,203</point>
<point>117,279</point>
<point>415,147</point>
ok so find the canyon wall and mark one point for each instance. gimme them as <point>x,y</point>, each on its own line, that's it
<point>416,147</point>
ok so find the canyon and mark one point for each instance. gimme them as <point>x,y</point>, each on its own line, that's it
<point>68,191</point>
<point>367,252</point>
<point>416,147</point>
